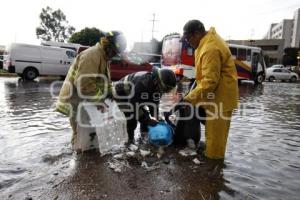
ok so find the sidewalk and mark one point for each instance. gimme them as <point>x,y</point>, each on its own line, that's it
<point>4,74</point>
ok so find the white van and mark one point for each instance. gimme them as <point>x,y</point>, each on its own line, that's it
<point>72,46</point>
<point>30,61</point>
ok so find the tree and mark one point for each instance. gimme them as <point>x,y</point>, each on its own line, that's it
<point>53,26</point>
<point>87,36</point>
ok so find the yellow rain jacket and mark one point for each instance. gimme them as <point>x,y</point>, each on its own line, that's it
<point>80,83</point>
<point>216,79</point>
<point>216,74</point>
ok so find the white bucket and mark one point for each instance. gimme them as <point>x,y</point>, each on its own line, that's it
<point>109,124</point>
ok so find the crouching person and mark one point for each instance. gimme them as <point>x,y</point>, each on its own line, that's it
<point>138,95</point>
<point>88,78</point>
<point>187,130</point>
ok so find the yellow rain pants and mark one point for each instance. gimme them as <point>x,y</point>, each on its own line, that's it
<point>216,133</point>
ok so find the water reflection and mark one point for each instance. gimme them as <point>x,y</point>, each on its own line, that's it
<point>209,183</point>
<point>247,90</point>
<point>264,141</point>
<point>30,131</point>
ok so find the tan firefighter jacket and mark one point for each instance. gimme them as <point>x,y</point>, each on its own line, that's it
<point>88,79</point>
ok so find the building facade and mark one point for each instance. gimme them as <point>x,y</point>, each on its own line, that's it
<point>2,49</point>
<point>287,29</point>
<point>296,30</point>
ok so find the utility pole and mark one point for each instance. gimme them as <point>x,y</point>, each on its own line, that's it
<point>228,37</point>
<point>153,21</point>
<point>252,31</point>
<point>251,41</point>
<point>153,46</point>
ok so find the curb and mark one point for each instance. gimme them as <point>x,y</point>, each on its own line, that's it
<point>8,75</point>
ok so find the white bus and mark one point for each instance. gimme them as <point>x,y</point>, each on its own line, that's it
<point>249,62</point>
<point>179,56</point>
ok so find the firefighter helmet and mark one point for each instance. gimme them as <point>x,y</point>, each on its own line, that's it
<point>167,79</point>
<point>117,40</point>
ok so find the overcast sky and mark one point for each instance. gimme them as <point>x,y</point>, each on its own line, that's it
<point>233,19</point>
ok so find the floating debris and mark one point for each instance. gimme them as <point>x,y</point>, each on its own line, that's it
<point>196,161</point>
<point>133,147</point>
<point>118,156</point>
<point>187,152</point>
<point>117,166</point>
<point>149,168</point>
<point>160,152</point>
<point>130,153</point>
<point>118,170</point>
<point>144,164</point>
<point>145,153</point>
<point>114,166</point>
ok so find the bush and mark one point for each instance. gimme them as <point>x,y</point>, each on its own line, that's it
<point>87,36</point>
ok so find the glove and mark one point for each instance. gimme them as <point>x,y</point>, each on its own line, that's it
<point>186,106</point>
<point>109,95</point>
<point>152,122</point>
<point>167,115</point>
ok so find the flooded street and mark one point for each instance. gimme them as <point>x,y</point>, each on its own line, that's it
<point>262,158</point>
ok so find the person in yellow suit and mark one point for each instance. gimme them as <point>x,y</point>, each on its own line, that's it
<point>89,77</point>
<point>217,85</point>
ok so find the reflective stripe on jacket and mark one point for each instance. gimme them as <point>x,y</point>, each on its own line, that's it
<point>145,90</point>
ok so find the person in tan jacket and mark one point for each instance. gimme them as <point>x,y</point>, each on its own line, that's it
<point>89,77</point>
<point>217,85</point>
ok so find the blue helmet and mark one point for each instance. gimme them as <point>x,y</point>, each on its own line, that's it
<point>161,134</point>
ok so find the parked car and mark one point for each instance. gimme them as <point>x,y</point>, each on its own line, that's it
<point>30,61</point>
<point>122,66</point>
<point>277,66</point>
<point>1,61</point>
<point>281,74</point>
<point>72,46</point>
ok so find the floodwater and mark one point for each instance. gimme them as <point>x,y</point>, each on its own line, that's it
<point>262,158</point>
